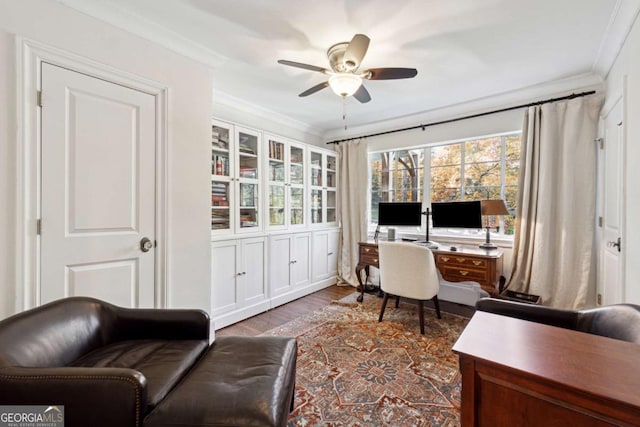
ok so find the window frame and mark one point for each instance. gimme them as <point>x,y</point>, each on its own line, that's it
<point>450,235</point>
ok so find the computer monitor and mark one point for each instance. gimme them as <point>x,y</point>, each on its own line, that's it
<point>456,214</point>
<point>400,214</point>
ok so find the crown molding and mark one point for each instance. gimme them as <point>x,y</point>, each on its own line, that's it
<point>142,27</point>
<point>223,99</point>
<point>622,19</point>
<point>502,100</point>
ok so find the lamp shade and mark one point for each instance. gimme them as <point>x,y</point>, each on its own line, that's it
<point>493,207</point>
<point>345,84</point>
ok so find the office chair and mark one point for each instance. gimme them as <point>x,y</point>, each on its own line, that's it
<point>408,270</point>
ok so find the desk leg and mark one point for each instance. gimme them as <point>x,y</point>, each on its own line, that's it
<point>359,268</point>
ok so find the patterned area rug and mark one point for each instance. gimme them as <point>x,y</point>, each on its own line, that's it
<point>354,371</point>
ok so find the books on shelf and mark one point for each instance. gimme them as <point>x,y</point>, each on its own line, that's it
<point>219,165</point>
<point>219,138</point>
<point>276,150</point>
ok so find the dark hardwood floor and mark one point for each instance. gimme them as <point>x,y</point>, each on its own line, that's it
<point>263,322</point>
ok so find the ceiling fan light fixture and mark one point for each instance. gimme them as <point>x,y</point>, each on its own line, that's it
<point>345,84</point>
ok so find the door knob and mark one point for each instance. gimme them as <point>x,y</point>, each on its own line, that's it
<point>146,244</point>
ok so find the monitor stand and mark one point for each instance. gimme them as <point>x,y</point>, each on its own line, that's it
<point>429,244</point>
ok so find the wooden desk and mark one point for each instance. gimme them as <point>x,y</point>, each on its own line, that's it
<point>467,263</point>
<point>519,373</point>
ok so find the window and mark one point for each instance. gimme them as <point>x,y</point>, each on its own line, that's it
<point>476,169</point>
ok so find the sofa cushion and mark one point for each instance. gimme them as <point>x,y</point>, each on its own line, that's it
<point>162,362</point>
<point>240,381</point>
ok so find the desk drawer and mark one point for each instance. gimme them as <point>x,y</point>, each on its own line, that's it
<point>462,261</point>
<point>456,273</point>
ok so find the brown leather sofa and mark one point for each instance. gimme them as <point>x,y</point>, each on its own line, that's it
<point>618,321</point>
<point>112,366</point>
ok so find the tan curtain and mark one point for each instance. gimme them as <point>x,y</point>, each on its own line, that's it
<point>554,253</point>
<point>354,196</point>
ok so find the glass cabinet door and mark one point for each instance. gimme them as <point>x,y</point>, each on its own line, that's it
<point>323,173</point>
<point>276,171</point>
<point>221,187</point>
<point>296,185</point>
<point>248,179</point>
<point>331,187</point>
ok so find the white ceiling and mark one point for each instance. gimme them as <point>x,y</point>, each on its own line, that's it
<point>463,49</point>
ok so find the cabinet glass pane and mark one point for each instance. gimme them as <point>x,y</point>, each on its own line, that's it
<point>276,161</point>
<point>316,177</point>
<point>316,206</point>
<point>219,163</point>
<point>297,206</point>
<point>247,144</point>
<point>297,165</point>
<point>331,163</point>
<point>331,206</point>
<point>220,218</point>
<point>331,178</point>
<point>316,159</point>
<point>276,205</point>
<point>219,138</point>
<point>248,205</point>
<point>220,212</point>
<point>248,167</point>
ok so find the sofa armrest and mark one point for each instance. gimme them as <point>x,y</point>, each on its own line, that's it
<point>91,396</point>
<point>142,323</point>
<point>535,313</point>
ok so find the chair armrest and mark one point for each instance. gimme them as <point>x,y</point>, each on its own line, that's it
<point>143,323</point>
<point>99,397</point>
<point>535,313</point>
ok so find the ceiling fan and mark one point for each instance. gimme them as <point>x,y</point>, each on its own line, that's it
<point>344,77</point>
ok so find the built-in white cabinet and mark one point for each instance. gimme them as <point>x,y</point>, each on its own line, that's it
<point>238,279</point>
<point>289,266</point>
<point>286,182</point>
<point>323,177</point>
<point>324,254</point>
<point>236,169</point>
<point>273,221</point>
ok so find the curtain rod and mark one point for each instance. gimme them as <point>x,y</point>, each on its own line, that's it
<point>472,116</point>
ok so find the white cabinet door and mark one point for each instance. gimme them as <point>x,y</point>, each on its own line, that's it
<point>252,276</point>
<point>300,265</point>
<point>280,254</point>
<point>319,260</point>
<point>332,251</point>
<point>224,263</point>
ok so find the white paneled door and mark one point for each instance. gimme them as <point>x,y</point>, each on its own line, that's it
<point>97,190</point>
<point>612,277</point>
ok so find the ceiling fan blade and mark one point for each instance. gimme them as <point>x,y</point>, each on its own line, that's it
<point>391,73</point>
<point>355,51</point>
<point>314,89</point>
<point>301,65</point>
<point>362,94</point>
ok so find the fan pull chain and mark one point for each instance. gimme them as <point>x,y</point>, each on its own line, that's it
<point>344,111</point>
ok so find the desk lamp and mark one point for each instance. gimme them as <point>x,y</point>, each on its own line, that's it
<point>492,208</point>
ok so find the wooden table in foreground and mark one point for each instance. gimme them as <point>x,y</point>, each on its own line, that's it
<point>519,373</point>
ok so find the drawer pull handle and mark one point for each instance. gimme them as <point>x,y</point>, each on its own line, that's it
<point>477,262</point>
<point>445,259</point>
<point>460,259</point>
<point>375,260</point>
<point>464,273</point>
<point>366,249</point>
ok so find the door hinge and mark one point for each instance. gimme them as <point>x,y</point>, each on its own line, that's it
<point>38,227</point>
<point>600,142</point>
<point>599,221</point>
<point>599,299</point>
<point>39,98</point>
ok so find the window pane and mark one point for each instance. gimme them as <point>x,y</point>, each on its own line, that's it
<point>513,144</point>
<point>483,150</point>
<point>482,174</point>
<point>446,155</point>
<point>511,172</point>
<point>445,195</point>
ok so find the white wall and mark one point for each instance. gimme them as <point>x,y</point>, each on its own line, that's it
<point>190,89</point>
<point>628,64</point>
